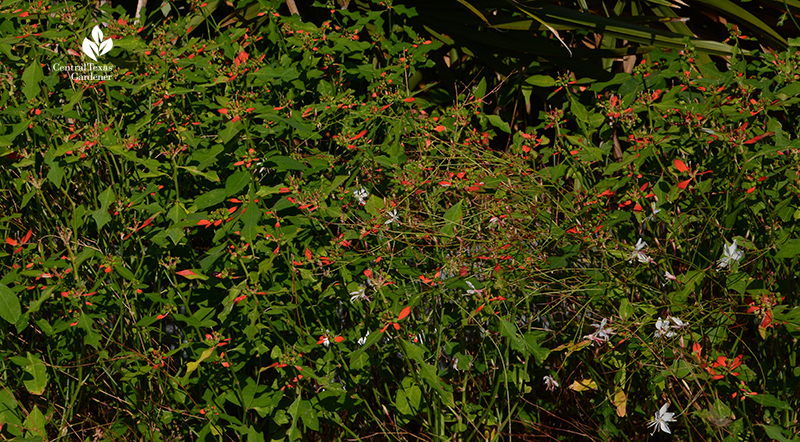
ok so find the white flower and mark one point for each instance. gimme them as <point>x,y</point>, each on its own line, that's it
<point>602,334</point>
<point>473,290</point>
<point>393,217</point>
<point>660,420</point>
<point>325,341</point>
<point>639,254</point>
<point>362,341</point>
<point>729,253</point>
<point>361,195</point>
<point>655,211</point>
<point>670,277</point>
<point>550,383</point>
<point>663,328</point>
<point>359,295</point>
<point>678,323</point>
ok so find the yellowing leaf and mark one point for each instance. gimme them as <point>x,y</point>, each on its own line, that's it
<point>584,384</point>
<point>192,366</point>
<point>572,347</point>
<point>620,400</point>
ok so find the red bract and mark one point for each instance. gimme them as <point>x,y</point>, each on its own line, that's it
<point>404,313</point>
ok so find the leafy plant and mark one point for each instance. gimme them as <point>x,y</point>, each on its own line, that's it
<point>272,230</point>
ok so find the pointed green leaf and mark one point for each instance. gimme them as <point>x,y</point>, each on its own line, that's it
<point>101,215</point>
<point>10,309</point>
<point>498,122</point>
<point>31,77</point>
<point>251,217</point>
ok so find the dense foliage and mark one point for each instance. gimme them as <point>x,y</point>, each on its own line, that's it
<point>268,230</point>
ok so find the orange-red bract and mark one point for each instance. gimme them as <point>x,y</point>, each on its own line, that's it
<point>404,313</point>
<point>680,166</point>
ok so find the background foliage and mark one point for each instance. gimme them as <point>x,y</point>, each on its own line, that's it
<point>269,227</point>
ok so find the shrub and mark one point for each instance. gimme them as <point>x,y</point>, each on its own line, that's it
<point>273,233</point>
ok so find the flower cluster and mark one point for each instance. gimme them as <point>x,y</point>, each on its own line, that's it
<point>602,334</point>
<point>664,328</point>
<point>638,253</point>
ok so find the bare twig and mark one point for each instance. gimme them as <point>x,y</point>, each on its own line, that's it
<point>141,4</point>
<point>292,7</point>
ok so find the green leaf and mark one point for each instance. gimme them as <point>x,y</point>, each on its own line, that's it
<point>9,305</point>
<point>31,77</point>
<point>776,433</point>
<point>789,249</point>
<point>374,205</point>
<point>498,122</point>
<point>287,163</point>
<point>541,80</point>
<point>371,340</point>
<point>56,172</point>
<point>452,218</point>
<point>429,374</point>
<point>35,378</point>
<point>409,397</point>
<point>509,331</point>
<point>414,352</point>
<point>35,423</point>
<point>738,282</point>
<point>10,416</point>
<point>210,175</point>
<point>538,352</point>
<point>232,128</point>
<point>210,198</point>
<point>251,217</point>
<point>124,272</point>
<point>101,215</point>
<point>236,182</point>
<point>769,400</point>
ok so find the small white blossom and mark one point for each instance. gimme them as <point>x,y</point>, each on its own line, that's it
<point>473,290</point>
<point>729,253</point>
<point>678,323</point>
<point>361,195</point>
<point>659,421</point>
<point>670,277</point>
<point>655,211</point>
<point>602,334</point>
<point>550,383</point>
<point>638,253</point>
<point>393,217</point>
<point>362,341</point>
<point>359,295</point>
<point>663,328</point>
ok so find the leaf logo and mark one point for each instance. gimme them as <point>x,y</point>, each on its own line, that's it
<point>97,47</point>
